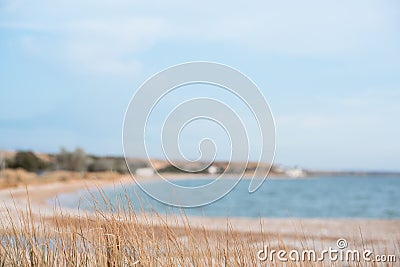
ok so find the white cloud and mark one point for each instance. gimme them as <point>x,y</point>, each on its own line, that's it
<point>94,45</point>
<point>110,45</point>
<point>109,36</point>
<point>296,27</point>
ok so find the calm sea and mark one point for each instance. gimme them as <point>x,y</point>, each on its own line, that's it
<point>322,197</point>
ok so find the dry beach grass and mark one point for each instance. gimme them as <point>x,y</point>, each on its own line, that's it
<point>34,233</point>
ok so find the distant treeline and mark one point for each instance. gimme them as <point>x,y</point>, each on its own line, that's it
<point>76,160</point>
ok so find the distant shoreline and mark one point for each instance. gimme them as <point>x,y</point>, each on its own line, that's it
<point>354,173</point>
<point>56,162</point>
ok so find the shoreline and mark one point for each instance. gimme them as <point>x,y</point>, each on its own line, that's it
<point>321,230</point>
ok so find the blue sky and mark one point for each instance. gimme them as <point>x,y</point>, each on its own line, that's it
<point>330,71</point>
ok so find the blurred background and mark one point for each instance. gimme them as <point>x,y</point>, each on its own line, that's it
<point>330,71</point>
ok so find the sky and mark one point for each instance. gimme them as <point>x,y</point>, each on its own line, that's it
<point>330,71</point>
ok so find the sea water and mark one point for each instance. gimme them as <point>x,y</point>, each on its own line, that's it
<point>317,197</point>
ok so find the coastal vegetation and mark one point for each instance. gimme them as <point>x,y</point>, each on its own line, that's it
<point>116,236</point>
<point>76,160</point>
